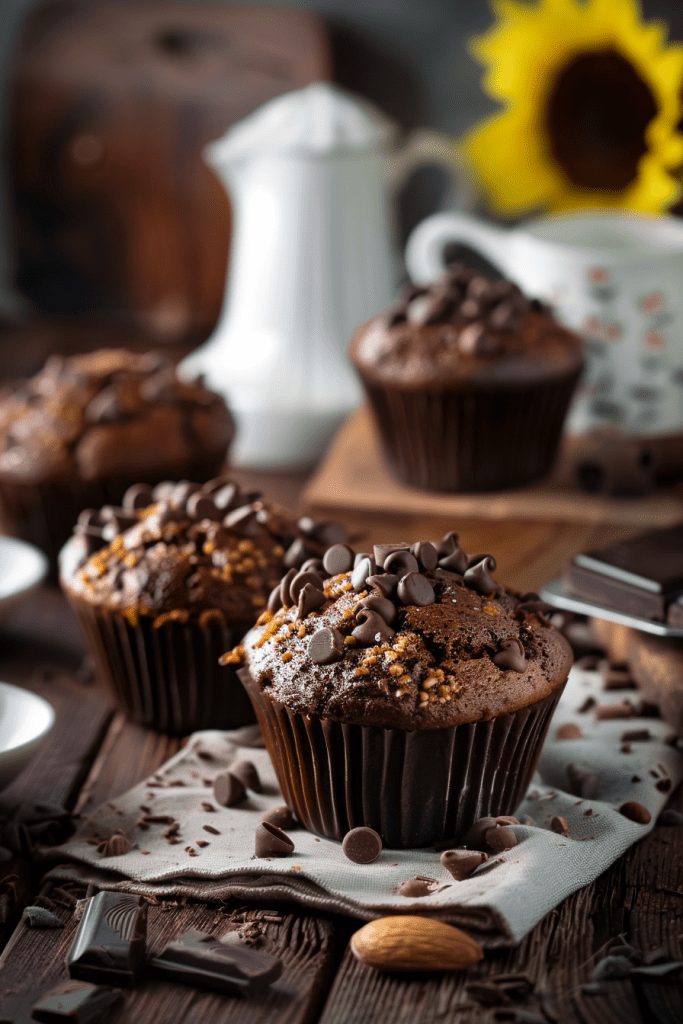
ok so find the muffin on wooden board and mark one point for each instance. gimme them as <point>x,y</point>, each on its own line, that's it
<point>469,383</point>
<point>84,429</point>
<point>402,689</point>
<point>161,586</point>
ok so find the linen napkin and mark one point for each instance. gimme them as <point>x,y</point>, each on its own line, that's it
<point>212,856</point>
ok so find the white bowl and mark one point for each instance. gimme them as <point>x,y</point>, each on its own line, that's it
<point>25,721</point>
<point>22,567</point>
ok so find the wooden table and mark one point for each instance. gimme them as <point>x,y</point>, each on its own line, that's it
<point>93,754</point>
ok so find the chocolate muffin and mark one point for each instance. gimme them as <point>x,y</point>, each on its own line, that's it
<point>404,690</point>
<point>161,586</point>
<point>469,383</point>
<point>85,428</point>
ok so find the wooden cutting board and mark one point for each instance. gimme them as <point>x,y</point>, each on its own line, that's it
<point>353,476</point>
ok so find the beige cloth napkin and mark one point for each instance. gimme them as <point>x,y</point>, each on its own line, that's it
<point>500,903</point>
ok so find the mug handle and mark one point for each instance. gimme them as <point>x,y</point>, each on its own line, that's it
<point>427,147</point>
<point>425,247</point>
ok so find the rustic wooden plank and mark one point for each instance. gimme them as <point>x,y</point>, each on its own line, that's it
<point>34,962</point>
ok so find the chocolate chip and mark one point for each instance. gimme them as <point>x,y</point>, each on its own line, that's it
<point>416,589</point>
<point>285,597</point>
<point>560,825</point>
<point>137,496</point>
<point>382,551</point>
<point>275,600</point>
<point>636,735</point>
<point>663,785</point>
<point>426,554</point>
<point>310,599</point>
<point>280,816</point>
<point>569,731</point>
<point>246,772</point>
<point>501,838</point>
<point>89,517</point>
<point>455,561</point>
<point>372,629</point>
<point>228,789</point>
<point>198,506</point>
<point>300,580</point>
<point>417,887</point>
<point>478,576</point>
<point>505,317</point>
<point>271,841</point>
<point>606,712</point>
<point>227,497</point>
<point>476,836</point>
<point>163,491</point>
<point>365,568</point>
<point>103,408</point>
<point>541,609</point>
<point>182,491</point>
<point>314,565</point>
<point>338,559</point>
<point>582,783</point>
<point>325,646</point>
<point>360,555</point>
<point>362,845</point>
<point>447,544</point>
<point>385,583</point>
<point>510,657</point>
<point>382,606</point>
<point>635,811</point>
<point>462,863</point>
<point>242,521</point>
<point>115,846</point>
<point>400,563</point>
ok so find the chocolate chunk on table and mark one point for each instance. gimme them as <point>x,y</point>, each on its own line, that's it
<point>195,958</point>
<point>642,576</point>
<point>75,1001</point>
<point>109,945</point>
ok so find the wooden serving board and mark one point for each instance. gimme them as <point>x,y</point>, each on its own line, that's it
<point>353,476</point>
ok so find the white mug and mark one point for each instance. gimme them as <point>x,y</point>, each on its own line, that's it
<point>616,278</point>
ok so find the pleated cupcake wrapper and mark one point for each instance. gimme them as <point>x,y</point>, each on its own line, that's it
<point>45,513</point>
<point>167,677</point>
<point>471,441</point>
<point>415,788</point>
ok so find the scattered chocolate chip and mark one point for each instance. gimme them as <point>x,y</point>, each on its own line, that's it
<point>560,825</point>
<point>462,863</point>
<point>426,554</point>
<point>500,838</point>
<point>511,655</point>
<point>399,563</point>
<point>271,841</point>
<point>310,600</point>
<point>615,679</point>
<point>275,600</point>
<point>228,789</point>
<point>663,785</point>
<point>583,783</point>
<point>40,917</point>
<point>371,629</point>
<point>636,735</point>
<point>478,576</point>
<point>338,559</point>
<point>386,584</point>
<point>211,829</point>
<point>362,845</point>
<point>199,506</point>
<point>114,846</point>
<point>569,731</point>
<point>280,816</point>
<point>137,496</point>
<point>415,589</point>
<point>285,597</point>
<point>635,811</point>
<point>626,748</point>
<point>325,646</point>
<point>364,569</point>
<point>636,778</point>
<point>606,712</point>
<point>418,886</point>
<point>299,581</point>
<point>242,521</point>
<point>670,818</point>
<point>381,605</point>
<point>476,836</point>
<point>246,772</point>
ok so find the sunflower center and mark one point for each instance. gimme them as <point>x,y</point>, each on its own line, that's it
<point>596,116</point>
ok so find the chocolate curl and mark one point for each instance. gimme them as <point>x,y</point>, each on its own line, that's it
<point>511,655</point>
<point>372,628</point>
<point>477,576</point>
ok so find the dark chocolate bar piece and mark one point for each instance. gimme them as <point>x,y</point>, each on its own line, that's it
<point>109,945</point>
<point>641,576</point>
<point>76,1001</point>
<point>195,958</point>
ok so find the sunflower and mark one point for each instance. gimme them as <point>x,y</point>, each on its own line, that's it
<point>591,100</point>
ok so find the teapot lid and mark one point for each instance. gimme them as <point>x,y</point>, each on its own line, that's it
<point>318,119</point>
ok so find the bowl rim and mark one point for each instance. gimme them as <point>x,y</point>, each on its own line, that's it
<point>37,568</point>
<point>38,702</point>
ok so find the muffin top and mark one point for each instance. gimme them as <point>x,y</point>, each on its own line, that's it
<point>181,550</point>
<point>403,637</point>
<point>464,330</point>
<point>110,413</point>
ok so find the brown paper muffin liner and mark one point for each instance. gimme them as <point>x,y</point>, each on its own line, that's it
<point>45,513</point>
<point>471,441</point>
<point>167,677</point>
<point>415,788</point>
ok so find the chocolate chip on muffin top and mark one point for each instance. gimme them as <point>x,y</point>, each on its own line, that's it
<point>182,548</point>
<point>404,636</point>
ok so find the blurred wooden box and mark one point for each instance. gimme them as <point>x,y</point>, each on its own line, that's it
<point>113,102</point>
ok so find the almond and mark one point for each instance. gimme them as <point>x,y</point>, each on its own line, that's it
<point>412,943</point>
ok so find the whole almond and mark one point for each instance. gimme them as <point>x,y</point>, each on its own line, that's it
<point>412,943</point>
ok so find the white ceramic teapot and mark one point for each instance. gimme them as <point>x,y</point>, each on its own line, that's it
<point>312,256</point>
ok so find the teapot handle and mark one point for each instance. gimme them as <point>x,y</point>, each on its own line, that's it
<point>425,247</point>
<point>427,147</point>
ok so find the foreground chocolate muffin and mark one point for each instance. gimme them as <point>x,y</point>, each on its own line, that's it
<point>85,428</point>
<point>161,586</point>
<point>469,383</point>
<point>404,690</point>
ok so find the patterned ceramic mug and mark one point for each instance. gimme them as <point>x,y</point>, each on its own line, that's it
<point>617,278</point>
